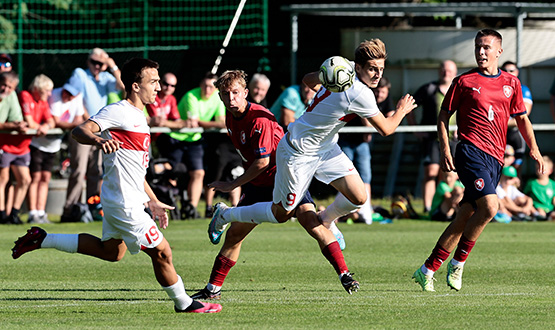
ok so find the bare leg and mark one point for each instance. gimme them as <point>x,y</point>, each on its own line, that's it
<point>195,186</point>
<point>33,190</point>
<point>162,263</point>
<point>23,180</point>
<point>43,190</point>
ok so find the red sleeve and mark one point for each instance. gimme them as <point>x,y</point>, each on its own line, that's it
<point>262,134</point>
<point>174,113</point>
<point>517,103</point>
<point>26,101</point>
<point>451,100</point>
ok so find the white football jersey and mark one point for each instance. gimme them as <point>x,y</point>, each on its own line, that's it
<point>315,132</point>
<point>125,169</point>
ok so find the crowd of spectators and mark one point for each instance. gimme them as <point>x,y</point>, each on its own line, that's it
<point>26,161</point>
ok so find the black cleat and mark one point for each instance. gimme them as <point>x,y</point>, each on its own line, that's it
<point>349,283</point>
<point>28,242</point>
<point>205,294</point>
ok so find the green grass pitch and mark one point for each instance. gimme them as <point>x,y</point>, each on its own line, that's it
<point>282,281</point>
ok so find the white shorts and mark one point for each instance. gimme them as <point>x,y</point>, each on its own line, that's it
<point>296,170</point>
<point>133,225</point>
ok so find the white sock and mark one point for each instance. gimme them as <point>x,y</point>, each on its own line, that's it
<point>61,242</point>
<point>40,213</point>
<point>256,213</point>
<point>177,293</point>
<point>213,288</point>
<point>33,212</point>
<point>366,211</point>
<point>427,271</point>
<point>457,263</point>
<point>340,207</point>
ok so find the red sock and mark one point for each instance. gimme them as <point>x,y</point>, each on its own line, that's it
<point>333,253</point>
<point>436,259</point>
<point>222,266</point>
<point>463,249</point>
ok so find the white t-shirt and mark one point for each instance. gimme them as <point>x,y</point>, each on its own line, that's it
<point>125,169</point>
<point>66,112</point>
<point>315,132</point>
<point>512,192</point>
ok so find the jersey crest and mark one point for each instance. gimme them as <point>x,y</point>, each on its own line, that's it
<point>479,184</point>
<point>508,91</point>
<point>243,137</point>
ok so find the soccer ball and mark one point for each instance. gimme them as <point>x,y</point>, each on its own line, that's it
<point>337,74</point>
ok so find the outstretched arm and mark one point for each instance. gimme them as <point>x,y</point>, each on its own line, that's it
<point>386,126</point>
<point>85,134</point>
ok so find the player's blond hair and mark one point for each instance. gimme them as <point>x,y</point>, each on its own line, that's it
<point>229,77</point>
<point>372,49</point>
<point>41,83</point>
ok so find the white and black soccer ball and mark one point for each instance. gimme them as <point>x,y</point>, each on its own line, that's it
<point>337,74</point>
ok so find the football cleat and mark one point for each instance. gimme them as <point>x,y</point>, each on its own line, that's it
<point>28,242</point>
<point>205,294</point>
<point>349,283</point>
<point>338,235</point>
<point>200,307</point>
<point>454,276</point>
<point>217,224</point>
<point>425,281</point>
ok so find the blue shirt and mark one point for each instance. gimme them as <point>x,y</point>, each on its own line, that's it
<point>291,99</point>
<point>95,93</point>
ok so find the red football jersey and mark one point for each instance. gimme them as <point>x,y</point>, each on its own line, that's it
<point>256,135</point>
<point>484,105</point>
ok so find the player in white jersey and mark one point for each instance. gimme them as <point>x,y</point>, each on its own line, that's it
<point>124,139</point>
<point>310,147</point>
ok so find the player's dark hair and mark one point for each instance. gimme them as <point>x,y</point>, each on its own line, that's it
<point>229,77</point>
<point>132,71</point>
<point>488,33</point>
<point>372,49</point>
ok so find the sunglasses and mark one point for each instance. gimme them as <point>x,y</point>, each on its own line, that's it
<point>166,84</point>
<point>93,62</point>
<point>6,65</point>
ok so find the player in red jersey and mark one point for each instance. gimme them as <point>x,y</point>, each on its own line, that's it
<point>255,134</point>
<point>484,99</point>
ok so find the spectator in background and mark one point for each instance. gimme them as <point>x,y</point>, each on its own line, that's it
<point>94,84</point>
<point>258,89</point>
<point>385,104</point>
<point>6,63</point>
<point>514,138</point>
<point>512,201</point>
<point>447,196</point>
<point>201,107</point>
<point>14,154</point>
<point>292,103</point>
<point>509,157</point>
<point>36,112</point>
<point>542,190</point>
<point>163,112</point>
<point>429,98</point>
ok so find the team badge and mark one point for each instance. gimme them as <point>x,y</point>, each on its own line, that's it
<point>508,91</point>
<point>243,137</point>
<point>479,184</point>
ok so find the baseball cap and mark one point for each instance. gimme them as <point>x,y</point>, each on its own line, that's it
<point>71,89</point>
<point>510,171</point>
<point>5,58</point>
